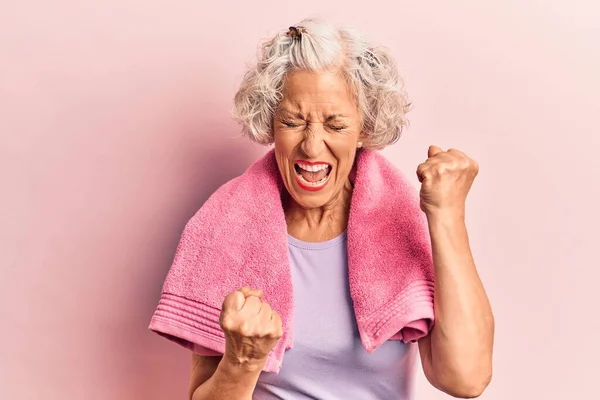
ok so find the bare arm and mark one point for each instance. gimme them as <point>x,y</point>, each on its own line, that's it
<point>457,355</point>
<point>215,378</point>
<point>251,331</point>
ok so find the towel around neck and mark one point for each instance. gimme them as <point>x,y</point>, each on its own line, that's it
<point>239,238</point>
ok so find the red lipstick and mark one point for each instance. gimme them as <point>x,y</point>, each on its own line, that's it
<point>303,183</point>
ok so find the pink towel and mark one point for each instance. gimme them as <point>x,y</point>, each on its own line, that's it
<point>239,238</point>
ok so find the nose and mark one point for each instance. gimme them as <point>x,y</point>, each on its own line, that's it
<point>313,142</point>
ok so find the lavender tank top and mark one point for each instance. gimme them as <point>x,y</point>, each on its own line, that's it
<point>328,361</point>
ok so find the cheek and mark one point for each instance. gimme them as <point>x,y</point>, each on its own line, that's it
<point>345,150</point>
<point>284,148</point>
<point>284,143</point>
<point>346,161</point>
<point>345,158</point>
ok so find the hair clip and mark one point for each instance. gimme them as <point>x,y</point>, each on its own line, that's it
<point>371,58</point>
<point>296,32</point>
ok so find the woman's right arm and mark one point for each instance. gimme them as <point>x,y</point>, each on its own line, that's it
<point>215,378</point>
<point>251,331</point>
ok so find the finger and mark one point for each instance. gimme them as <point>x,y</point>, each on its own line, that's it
<point>251,292</point>
<point>457,153</point>
<point>234,301</point>
<point>277,324</point>
<point>421,169</point>
<point>252,306</point>
<point>266,313</point>
<point>433,150</point>
<point>475,165</point>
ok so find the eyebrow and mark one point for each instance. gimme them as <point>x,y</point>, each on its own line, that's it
<point>296,114</point>
<point>335,116</point>
<point>299,115</point>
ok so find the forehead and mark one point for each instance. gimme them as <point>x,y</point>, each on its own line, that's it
<point>325,91</point>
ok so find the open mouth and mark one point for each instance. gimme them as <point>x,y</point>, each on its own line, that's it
<point>312,176</point>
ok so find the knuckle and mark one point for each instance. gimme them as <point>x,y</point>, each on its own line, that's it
<point>227,323</point>
<point>437,169</point>
<point>272,336</point>
<point>246,329</point>
<point>265,333</point>
<point>278,332</point>
<point>273,332</point>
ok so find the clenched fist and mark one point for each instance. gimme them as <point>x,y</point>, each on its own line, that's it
<point>251,327</point>
<point>446,178</point>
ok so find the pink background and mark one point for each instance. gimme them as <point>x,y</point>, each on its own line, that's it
<point>115,128</point>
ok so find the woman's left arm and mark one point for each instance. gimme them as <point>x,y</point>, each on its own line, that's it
<point>457,354</point>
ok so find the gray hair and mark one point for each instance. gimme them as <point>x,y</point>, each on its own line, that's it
<point>370,71</point>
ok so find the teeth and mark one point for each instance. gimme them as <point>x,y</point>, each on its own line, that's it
<point>322,181</point>
<point>313,168</point>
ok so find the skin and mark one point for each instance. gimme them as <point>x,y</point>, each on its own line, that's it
<point>316,121</point>
<point>457,354</point>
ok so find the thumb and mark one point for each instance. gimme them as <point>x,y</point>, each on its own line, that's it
<point>234,301</point>
<point>433,150</point>
<point>246,291</point>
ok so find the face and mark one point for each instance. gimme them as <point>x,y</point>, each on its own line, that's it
<point>317,129</point>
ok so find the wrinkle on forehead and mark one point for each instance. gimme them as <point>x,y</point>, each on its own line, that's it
<point>317,95</point>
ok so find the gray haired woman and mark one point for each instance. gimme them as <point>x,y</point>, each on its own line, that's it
<point>321,95</point>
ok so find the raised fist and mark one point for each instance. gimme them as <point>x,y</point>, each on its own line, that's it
<point>251,327</point>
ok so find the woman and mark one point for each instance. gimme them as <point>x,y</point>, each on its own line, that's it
<point>321,95</point>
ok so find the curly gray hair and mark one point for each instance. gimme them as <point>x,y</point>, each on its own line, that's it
<point>370,71</point>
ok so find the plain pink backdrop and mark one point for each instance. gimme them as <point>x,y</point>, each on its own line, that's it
<point>115,128</point>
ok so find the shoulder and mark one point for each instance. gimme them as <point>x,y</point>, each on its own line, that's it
<point>259,183</point>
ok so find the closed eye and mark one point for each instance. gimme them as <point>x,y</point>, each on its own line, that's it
<point>290,124</point>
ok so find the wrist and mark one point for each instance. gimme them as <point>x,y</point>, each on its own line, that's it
<point>447,223</point>
<point>232,380</point>
<point>447,215</point>
<point>236,365</point>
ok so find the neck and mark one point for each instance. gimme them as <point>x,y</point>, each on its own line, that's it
<point>321,223</point>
